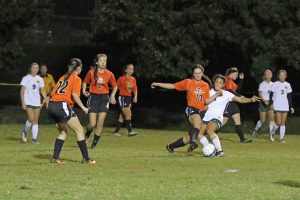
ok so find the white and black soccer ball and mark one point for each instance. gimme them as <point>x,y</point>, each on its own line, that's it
<point>209,150</point>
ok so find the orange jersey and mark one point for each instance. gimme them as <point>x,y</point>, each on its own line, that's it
<point>62,91</point>
<point>100,86</point>
<point>196,92</point>
<point>230,84</point>
<point>127,85</point>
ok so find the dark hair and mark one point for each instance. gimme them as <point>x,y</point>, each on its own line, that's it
<point>230,70</point>
<point>125,67</point>
<point>219,76</point>
<point>96,61</point>
<point>198,66</point>
<point>72,66</point>
<point>29,68</point>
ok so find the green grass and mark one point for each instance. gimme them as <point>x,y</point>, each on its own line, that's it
<point>140,168</point>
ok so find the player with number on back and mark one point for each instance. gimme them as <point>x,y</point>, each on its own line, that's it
<point>98,79</point>
<point>197,91</point>
<point>265,108</point>
<point>127,86</point>
<point>32,85</point>
<point>64,95</point>
<point>281,96</point>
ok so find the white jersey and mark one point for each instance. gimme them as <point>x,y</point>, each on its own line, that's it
<point>32,85</point>
<point>280,91</point>
<point>265,89</point>
<point>216,108</point>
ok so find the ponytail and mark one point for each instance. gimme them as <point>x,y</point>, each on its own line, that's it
<point>72,66</point>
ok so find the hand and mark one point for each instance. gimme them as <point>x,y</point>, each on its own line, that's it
<point>255,99</point>
<point>220,93</point>
<point>85,110</point>
<point>292,110</point>
<point>153,85</point>
<point>134,99</point>
<point>241,75</point>
<point>266,102</point>
<point>85,93</point>
<point>24,107</point>
<point>112,100</point>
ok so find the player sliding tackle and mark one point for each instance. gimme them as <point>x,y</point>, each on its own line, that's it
<point>213,117</point>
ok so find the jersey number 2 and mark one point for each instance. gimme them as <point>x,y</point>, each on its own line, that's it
<point>61,89</point>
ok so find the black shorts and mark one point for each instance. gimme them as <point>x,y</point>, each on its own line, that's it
<point>60,111</point>
<point>98,103</point>
<point>125,101</point>
<point>189,111</point>
<point>231,109</point>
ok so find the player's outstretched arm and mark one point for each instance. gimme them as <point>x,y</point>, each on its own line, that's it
<point>168,86</point>
<point>245,100</point>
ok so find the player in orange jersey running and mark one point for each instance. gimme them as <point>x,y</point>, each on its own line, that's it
<point>98,96</point>
<point>65,93</point>
<point>197,91</point>
<point>127,86</point>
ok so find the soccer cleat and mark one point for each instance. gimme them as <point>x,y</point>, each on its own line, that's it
<point>254,133</point>
<point>132,133</point>
<point>282,141</point>
<point>117,134</point>
<point>245,141</point>
<point>272,137</point>
<point>170,150</point>
<point>34,141</point>
<point>220,154</point>
<point>57,161</point>
<point>192,147</point>
<point>89,161</point>
<point>93,146</point>
<point>24,136</point>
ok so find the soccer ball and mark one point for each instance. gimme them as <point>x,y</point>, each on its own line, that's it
<point>209,150</point>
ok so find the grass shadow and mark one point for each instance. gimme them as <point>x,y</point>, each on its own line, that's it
<point>48,156</point>
<point>294,184</point>
<point>14,139</point>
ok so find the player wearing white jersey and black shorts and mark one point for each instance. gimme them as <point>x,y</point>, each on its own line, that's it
<point>213,117</point>
<point>265,107</point>
<point>281,95</point>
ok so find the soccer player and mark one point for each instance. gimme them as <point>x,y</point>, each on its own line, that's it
<point>64,95</point>
<point>281,95</point>
<point>197,91</point>
<point>213,117</point>
<point>98,96</point>
<point>232,110</point>
<point>127,85</point>
<point>264,108</point>
<point>48,80</point>
<point>32,85</point>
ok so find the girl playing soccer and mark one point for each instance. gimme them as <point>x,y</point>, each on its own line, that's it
<point>264,108</point>
<point>32,85</point>
<point>197,91</point>
<point>127,86</point>
<point>213,118</point>
<point>98,96</point>
<point>63,97</point>
<point>281,95</point>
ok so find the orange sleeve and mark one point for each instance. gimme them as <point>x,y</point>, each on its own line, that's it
<point>182,85</point>
<point>112,80</point>
<point>77,86</point>
<point>119,82</point>
<point>206,93</point>
<point>87,78</point>
<point>134,85</point>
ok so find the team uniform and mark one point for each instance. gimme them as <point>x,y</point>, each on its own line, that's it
<point>61,102</point>
<point>49,83</point>
<point>216,108</point>
<point>196,94</point>
<point>265,89</point>
<point>98,100</point>
<point>126,86</point>
<point>232,107</point>
<point>32,85</point>
<point>280,100</point>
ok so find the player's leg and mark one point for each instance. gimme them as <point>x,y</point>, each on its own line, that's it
<point>282,126</point>
<point>271,116</point>
<point>211,128</point>
<point>128,115</point>
<point>59,142</point>
<point>259,123</point>
<point>238,128</point>
<point>35,125</point>
<point>225,120</point>
<point>276,126</point>
<point>195,121</point>
<point>75,125</point>
<point>28,123</point>
<point>99,128</point>
<point>92,124</point>
<point>178,143</point>
<point>120,122</point>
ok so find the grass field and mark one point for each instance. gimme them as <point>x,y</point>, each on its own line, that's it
<point>140,168</point>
